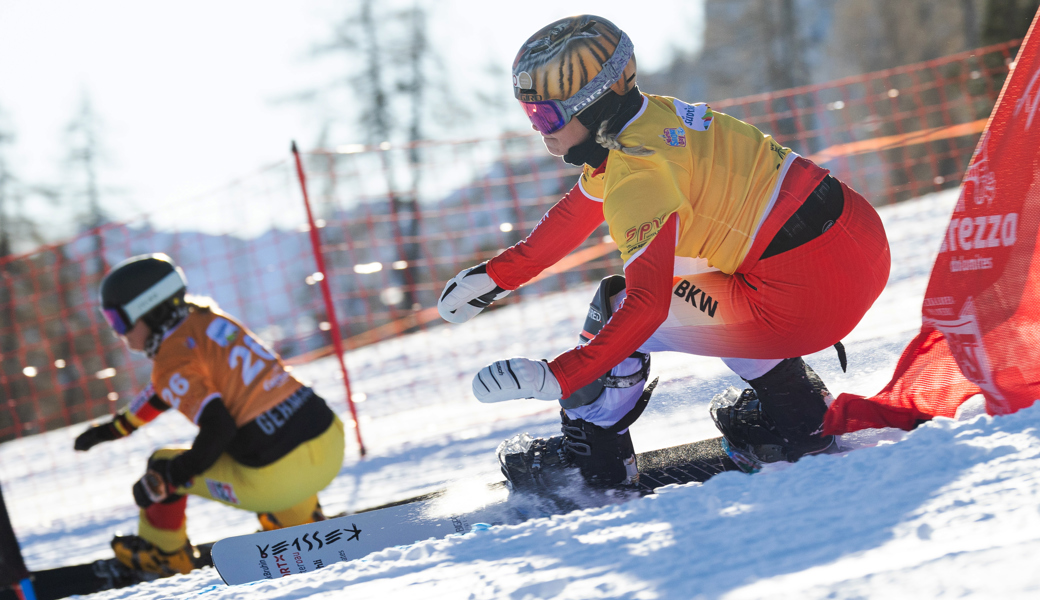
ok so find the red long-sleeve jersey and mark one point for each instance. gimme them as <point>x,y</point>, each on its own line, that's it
<point>648,282</point>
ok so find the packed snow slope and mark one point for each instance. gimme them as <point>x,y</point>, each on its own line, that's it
<point>950,509</point>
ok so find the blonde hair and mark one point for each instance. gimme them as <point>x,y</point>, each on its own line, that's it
<point>610,142</point>
<point>200,302</point>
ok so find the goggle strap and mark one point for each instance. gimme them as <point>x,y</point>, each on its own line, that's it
<point>612,70</point>
<point>150,298</point>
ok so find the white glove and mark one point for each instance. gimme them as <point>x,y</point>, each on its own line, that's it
<point>470,292</point>
<point>516,378</point>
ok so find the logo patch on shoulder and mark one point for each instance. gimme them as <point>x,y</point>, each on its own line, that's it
<point>221,491</point>
<point>222,331</point>
<point>697,117</point>
<point>675,137</point>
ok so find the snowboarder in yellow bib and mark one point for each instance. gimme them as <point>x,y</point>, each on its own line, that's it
<point>266,443</point>
<point>733,246</point>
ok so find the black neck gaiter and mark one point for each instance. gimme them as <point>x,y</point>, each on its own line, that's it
<point>616,110</point>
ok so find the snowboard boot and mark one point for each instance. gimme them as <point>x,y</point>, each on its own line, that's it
<point>138,554</point>
<point>604,459</point>
<point>778,419</point>
<point>308,511</point>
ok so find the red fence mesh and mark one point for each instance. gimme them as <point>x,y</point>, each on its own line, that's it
<point>397,222</point>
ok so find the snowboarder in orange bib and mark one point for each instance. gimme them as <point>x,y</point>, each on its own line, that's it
<point>733,246</point>
<point>266,442</point>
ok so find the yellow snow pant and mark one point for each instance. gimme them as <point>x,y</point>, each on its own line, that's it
<point>287,488</point>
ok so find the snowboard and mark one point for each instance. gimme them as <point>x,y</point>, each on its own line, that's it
<point>90,578</point>
<point>697,461</point>
<point>108,573</point>
<point>307,548</point>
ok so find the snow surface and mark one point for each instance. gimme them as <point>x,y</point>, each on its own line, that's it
<point>951,509</point>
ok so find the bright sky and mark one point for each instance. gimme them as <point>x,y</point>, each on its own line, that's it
<point>192,94</point>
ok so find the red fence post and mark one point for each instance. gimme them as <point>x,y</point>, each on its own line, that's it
<point>326,292</point>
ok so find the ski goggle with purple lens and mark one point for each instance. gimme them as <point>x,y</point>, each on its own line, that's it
<point>549,116</point>
<point>115,320</point>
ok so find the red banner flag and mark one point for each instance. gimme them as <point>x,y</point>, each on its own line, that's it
<point>981,313</point>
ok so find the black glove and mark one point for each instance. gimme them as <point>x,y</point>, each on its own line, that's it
<point>155,486</point>
<point>105,432</point>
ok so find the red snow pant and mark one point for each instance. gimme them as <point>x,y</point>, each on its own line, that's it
<point>791,304</point>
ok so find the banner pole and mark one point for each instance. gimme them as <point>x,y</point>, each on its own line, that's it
<point>326,292</point>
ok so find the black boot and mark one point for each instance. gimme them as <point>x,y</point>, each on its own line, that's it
<point>604,459</point>
<point>779,418</point>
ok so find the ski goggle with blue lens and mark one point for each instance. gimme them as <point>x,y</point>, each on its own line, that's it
<point>549,116</point>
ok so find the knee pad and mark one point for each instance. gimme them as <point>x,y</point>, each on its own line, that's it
<point>600,311</point>
<point>591,392</point>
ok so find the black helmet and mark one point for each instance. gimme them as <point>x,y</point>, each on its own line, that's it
<point>145,287</point>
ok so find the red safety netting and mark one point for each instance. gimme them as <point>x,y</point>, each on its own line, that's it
<point>891,135</point>
<point>396,222</point>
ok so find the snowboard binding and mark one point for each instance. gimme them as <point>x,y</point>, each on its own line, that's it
<point>599,457</point>
<point>112,574</point>
<point>779,418</point>
<point>535,464</point>
<point>752,438</point>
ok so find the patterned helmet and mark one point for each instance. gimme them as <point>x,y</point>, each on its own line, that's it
<point>566,66</point>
